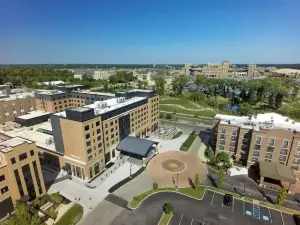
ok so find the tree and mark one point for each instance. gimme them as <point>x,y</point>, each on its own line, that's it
<point>223,157</point>
<point>168,208</point>
<point>169,116</point>
<point>272,100</point>
<point>140,84</point>
<point>221,178</point>
<point>155,186</point>
<point>179,83</point>
<point>160,86</point>
<point>200,79</point>
<point>281,196</point>
<point>278,100</point>
<point>196,182</point>
<point>24,216</point>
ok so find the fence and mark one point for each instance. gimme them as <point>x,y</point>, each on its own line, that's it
<point>103,176</point>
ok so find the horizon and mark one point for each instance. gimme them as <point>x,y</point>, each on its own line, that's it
<point>181,32</point>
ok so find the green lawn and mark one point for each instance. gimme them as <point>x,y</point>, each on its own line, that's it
<point>174,109</point>
<point>72,216</point>
<point>179,133</point>
<point>190,116</point>
<point>57,197</point>
<point>188,142</point>
<point>165,219</point>
<point>183,102</point>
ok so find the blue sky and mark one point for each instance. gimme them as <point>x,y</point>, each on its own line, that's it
<point>140,31</point>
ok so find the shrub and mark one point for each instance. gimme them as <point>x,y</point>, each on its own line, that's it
<point>57,197</point>
<point>155,186</point>
<point>213,161</point>
<point>136,198</point>
<point>209,152</point>
<point>51,213</point>
<point>222,157</point>
<point>168,208</point>
<point>169,116</point>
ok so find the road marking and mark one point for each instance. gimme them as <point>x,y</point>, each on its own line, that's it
<point>270,215</point>
<point>192,221</point>
<point>180,219</point>
<point>213,197</point>
<point>232,204</point>
<point>282,218</point>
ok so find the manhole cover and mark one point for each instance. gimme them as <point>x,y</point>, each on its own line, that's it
<point>173,165</point>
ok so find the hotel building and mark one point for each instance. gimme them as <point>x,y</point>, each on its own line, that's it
<point>58,101</point>
<point>20,173</point>
<point>267,137</point>
<point>87,136</point>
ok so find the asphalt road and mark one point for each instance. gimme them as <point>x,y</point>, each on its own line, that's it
<point>197,120</point>
<point>186,211</point>
<point>186,128</point>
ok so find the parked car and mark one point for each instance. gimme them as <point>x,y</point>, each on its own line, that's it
<point>227,200</point>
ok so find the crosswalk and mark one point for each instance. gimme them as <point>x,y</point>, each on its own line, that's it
<point>256,211</point>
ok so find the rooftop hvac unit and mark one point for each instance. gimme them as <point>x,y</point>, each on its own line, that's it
<point>120,100</point>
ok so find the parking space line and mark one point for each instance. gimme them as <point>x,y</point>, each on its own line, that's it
<point>243,206</point>
<point>192,221</point>
<point>281,218</point>
<point>180,219</point>
<point>232,204</point>
<point>213,197</point>
<point>270,215</point>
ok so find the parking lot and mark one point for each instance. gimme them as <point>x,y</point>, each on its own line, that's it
<point>250,209</point>
<point>180,219</point>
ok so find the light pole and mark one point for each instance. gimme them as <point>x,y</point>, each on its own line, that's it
<point>245,187</point>
<point>130,168</point>
<point>177,183</point>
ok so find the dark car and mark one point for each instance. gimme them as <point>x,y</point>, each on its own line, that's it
<point>227,200</point>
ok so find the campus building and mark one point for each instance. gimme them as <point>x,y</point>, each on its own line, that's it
<point>13,105</point>
<point>20,173</point>
<point>87,136</point>
<point>58,101</point>
<point>267,137</point>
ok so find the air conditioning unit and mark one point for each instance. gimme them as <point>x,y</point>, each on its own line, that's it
<point>120,100</point>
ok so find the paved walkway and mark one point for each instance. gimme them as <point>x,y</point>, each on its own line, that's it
<point>171,145</point>
<point>75,190</point>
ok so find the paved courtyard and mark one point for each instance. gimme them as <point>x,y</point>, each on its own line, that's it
<point>170,145</point>
<point>171,167</point>
<point>76,190</point>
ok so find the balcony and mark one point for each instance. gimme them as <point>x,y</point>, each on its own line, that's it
<point>245,140</point>
<point>283,152</point>
<point>222,142</point>
<point>233,138</point>
<point>255,154</point>
<point>243,152</point>
<point>244,146</point>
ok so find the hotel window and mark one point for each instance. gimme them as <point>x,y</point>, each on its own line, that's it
<point>98,123</point>
<point>99,145</point>
<point>88,144</point>
<point>2,178</point>
<point>285,144</point>
<point>87,136</point>
<point>258,140</point>
<point>4,190</point>
<point>89,151</point>
<point>254,159</point>
<point>271,141</point>
<point>23,156</point>
<point>90,158</point>
<point>223,130</point>
<point>281,158</point>
<point>31,152</point>
<point>234,132</point>
<point>221,147</point>
<point>86,128</point>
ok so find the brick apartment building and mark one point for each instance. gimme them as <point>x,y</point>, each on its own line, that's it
<point>267,137</point>
<point>20,173</point>
<point>14,105</point>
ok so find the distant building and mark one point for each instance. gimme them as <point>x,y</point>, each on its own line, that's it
<point>95,74</point>
<point>13,105</point>
<point>51,83</point>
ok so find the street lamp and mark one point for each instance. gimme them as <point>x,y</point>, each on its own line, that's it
<point>177,183</point>
<point>130,168</point>
<point>245,187</point>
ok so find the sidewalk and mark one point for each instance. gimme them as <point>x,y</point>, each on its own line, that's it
<point>201,153</point>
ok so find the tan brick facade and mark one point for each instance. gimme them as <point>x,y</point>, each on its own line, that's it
<point>11,108</point>
<point>20,171</point>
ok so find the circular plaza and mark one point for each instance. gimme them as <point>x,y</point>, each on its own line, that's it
<point>168,168</point>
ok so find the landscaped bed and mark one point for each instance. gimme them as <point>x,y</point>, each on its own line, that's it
<point>188,142</point>
<point>72,216</point>
<point>179,133</point>
<point>165,219</point>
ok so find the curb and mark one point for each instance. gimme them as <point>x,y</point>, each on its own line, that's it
<point>163,216</point>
